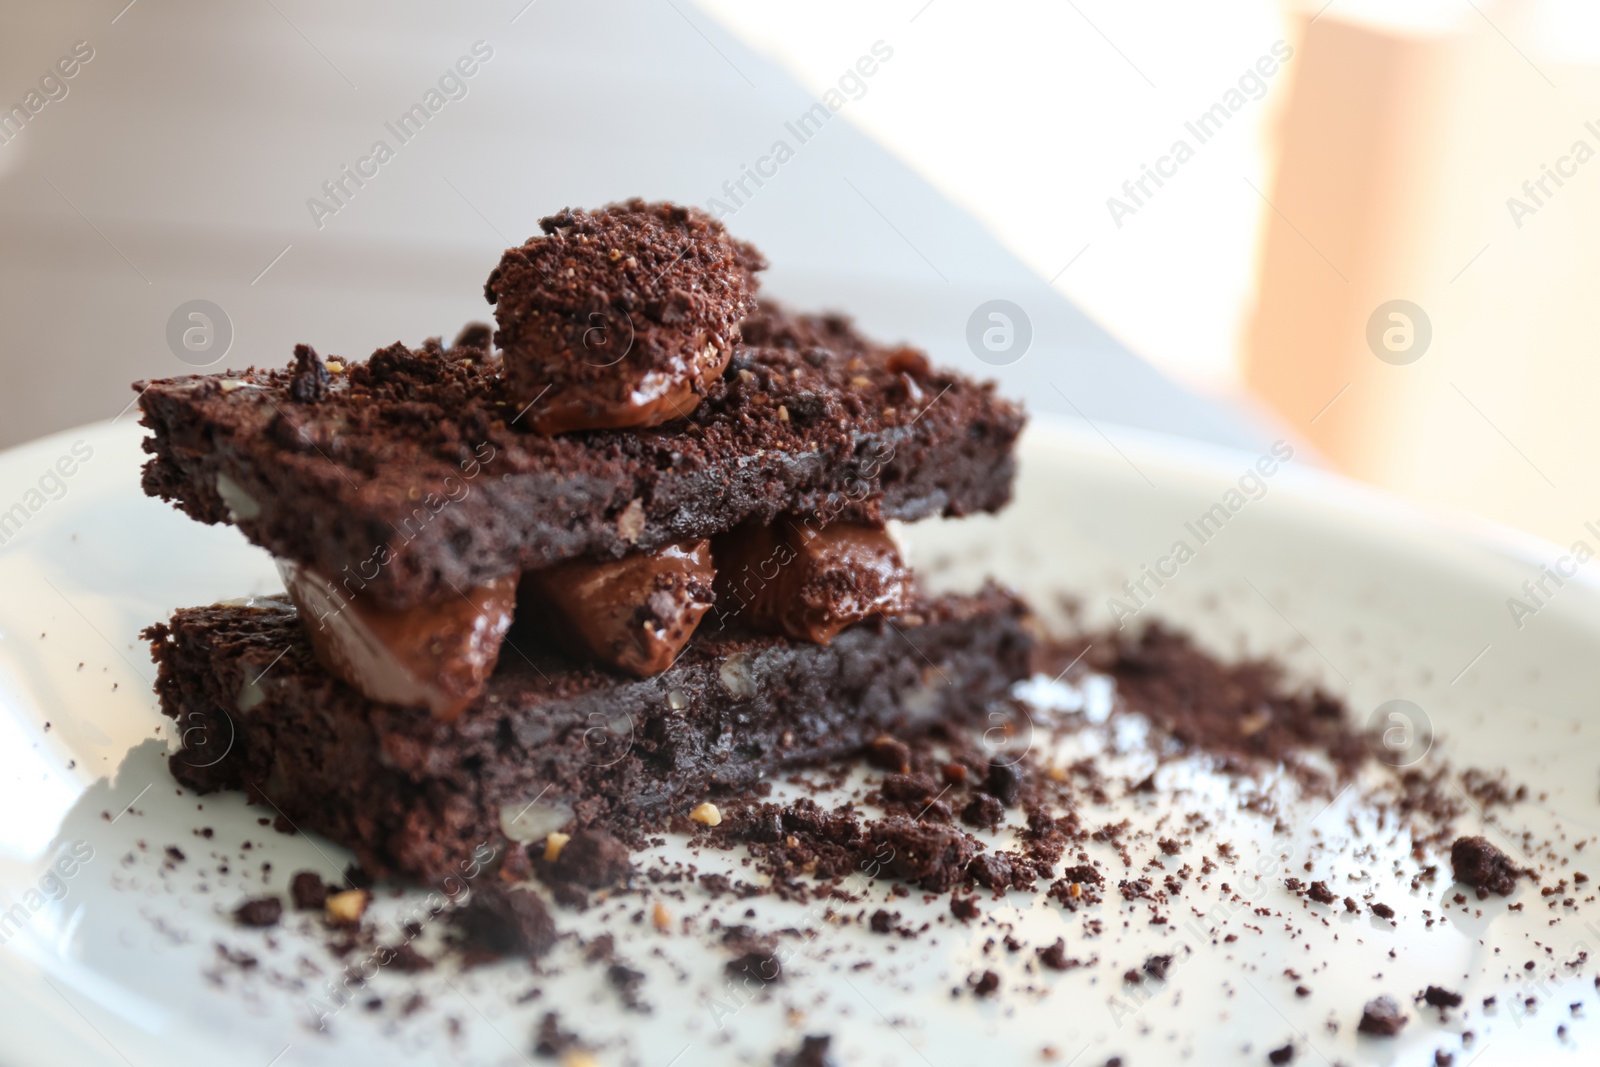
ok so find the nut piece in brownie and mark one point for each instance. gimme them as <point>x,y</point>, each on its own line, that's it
<point>622,316</point>
<point>412,475</point>
<point>553,744</point>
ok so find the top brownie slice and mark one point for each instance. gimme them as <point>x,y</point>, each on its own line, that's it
<point>414,471</point>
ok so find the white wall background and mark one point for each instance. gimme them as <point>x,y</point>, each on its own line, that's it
<point>1030,113</point>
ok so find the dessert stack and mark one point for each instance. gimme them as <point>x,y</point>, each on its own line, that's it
<point>592,569</point>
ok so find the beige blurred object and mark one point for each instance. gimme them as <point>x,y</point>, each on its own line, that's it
<point>1401,153</point>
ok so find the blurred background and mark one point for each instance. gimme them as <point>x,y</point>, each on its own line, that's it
<point>1366,227</point>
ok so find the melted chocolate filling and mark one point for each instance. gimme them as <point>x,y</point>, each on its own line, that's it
<point>434,655</point>
<point>809,582</point>
<point>634,613</point>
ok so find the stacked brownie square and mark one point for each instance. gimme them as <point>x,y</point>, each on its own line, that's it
<point>624,556</point>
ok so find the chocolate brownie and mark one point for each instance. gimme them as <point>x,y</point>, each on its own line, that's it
<point>621,316</point>
<point>555,744</point>
<point>414,474</point>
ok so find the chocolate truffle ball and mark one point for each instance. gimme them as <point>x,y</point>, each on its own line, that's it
<point>620,317</point>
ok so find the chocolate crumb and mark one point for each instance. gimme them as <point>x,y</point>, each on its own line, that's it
<point>627,982</point>
<point>259,912</point>
<point>813,1052</point>
<point>889,754</point>
<point>474,335</point>
<point>1382,1017</point>
<point>405,959</point>
<point>1477,863</point>
<point>963,908</point>
<point>932,856</point>
<point>1055,956</point>
<point>759,963</point>
<point>993,870</point>
<point>242,960</point>
<point>1004,783</point>
<point>310,382</point>
<point>593,859</point>
<point>553,1040</point>
<point>309,891</point>
<point>506,920</point>
<point>983,810</point>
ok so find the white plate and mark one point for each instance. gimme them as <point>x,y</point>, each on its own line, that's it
<point>118,963</point>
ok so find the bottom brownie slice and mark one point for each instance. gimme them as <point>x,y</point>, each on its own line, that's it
<point>552,744</point>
